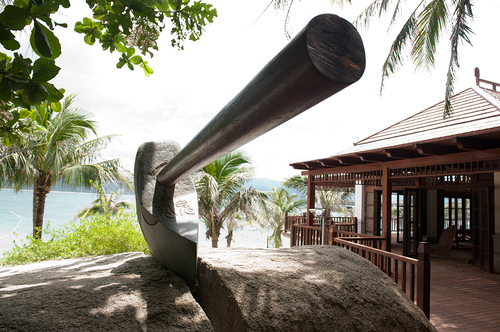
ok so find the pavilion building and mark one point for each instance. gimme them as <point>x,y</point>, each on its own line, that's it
<point>437,170</point>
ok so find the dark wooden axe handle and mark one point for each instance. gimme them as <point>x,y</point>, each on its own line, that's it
<point>324,58</point>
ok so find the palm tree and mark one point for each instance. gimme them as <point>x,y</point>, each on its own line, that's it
<point>57,149</point>
<point>246,210</point>
<point>104,205</point>
<point>330,199</point>
<point>426,22</point>
<point>220,190</point>
<point>298,183</point>
<point>273,211</point>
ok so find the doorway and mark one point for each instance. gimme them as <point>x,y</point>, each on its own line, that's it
<point>411,232</point>
<point>482,225</point>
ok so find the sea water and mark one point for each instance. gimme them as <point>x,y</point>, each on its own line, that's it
<point>16,218</point>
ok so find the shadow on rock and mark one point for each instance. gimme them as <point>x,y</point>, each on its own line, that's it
<point>122,292</point>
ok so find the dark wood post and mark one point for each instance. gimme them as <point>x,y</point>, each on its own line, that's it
<point>287,222</point>
<point>333,233</point>
<point>386,208</point>
<point>424,278</point>
<point>311,194</point>
<point>292,236</point>
<point>330,235</point>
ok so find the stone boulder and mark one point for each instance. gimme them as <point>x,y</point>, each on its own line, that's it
<point>312,288</point>
<point>122,292</point>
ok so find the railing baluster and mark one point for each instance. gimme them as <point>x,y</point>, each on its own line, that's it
<point>396,271</point>
<point>412,282</point>
<point>403,277</point>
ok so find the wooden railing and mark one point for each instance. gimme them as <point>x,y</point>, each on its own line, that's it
<point>371,241</point>
<point>290,220</point>
<point>303,235</point>
<point>349,223</point>
<point>412,275</point>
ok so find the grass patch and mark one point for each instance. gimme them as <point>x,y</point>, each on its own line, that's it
<point>93,235</point>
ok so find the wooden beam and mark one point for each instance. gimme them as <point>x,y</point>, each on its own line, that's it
<point>329,162</point>
<point>372,157</point>
<point>433,149</point>
<point>349,160</point>
<point>470,156</point>
<point>299,166</point>
<point>313,164</point>
<point>401,153</point>
<point>467,143</point>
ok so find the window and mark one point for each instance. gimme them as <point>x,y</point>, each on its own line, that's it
<point>456,212</point>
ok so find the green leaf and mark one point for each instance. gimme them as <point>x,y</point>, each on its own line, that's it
<point>79,27</point>
<point>162,5</point>
<point>130,65</point>
<point>89,39</point>
<point>47,20</point>
<point>55,46</point>
<point>130,51</point>
<point>120,47</point>
<point>42,10</point>
<point>56,107</point>
<point>44,70</point>
<point>136,60</point>
<point>24,113</point>
<point>54,94</point>
<point>15,118</point>
<point>7,39</point>
<point>34,93</point>
<point>17,83</point>
<point>7,141</point>
<point>64,25</point>
<point>147,70</point>
<point>21,3</point>
<point>40,42</point>
<point>14,18</point>
<point>21,66</point>
<point>5,90</point>
<point>121,63</point>
<point>33,114</point>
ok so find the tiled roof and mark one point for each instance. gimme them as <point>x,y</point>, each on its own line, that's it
<point>474,124</point>
<point>473,110</point>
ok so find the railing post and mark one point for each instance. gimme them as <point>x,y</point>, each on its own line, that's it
<point>287,222</point>
<point>292,236</point>
<point>331,230</point>
<point>334,231</point>
<point>424,279</point>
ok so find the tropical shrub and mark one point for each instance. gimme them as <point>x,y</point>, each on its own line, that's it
<point>93,235</point>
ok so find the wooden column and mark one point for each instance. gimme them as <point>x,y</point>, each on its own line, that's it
<point>311,194</point>
<point>386,208</point>
<point>424,278</point>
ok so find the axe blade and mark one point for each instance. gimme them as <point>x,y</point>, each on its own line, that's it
<point>168,216</point>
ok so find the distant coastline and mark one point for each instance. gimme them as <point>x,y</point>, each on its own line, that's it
<point>260,184</point>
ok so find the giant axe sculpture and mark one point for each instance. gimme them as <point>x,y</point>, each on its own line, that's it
<point>324,58</point>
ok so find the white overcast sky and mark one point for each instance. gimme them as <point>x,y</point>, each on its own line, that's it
<point>189,87</point>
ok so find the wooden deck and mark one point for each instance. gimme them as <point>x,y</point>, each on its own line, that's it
<point>463,297</point>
